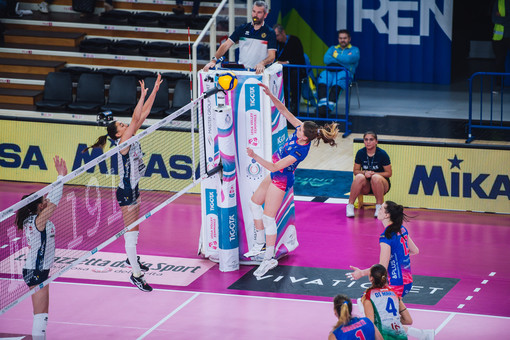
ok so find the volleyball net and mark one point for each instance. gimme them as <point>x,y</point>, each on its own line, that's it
<point>88,216</point>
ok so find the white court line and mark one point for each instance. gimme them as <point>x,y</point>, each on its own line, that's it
<point>477,290</point>
<point>445,322</point>
<point>267,298</point>
<point>492,274</point>
<point>485,281</point>
<point>169,316</point>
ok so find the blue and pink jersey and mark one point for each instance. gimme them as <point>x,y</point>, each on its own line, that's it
<point>284,179</point>
<point>357,328</point>
<point>400,278</point>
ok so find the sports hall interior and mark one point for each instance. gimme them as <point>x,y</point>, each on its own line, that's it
<point>462,252</point>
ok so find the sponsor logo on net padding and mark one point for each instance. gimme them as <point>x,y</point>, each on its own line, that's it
<point>322,282</point>
<point>99,265</point>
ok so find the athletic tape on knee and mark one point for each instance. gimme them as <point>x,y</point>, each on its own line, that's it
<point>269,225</point>
<point>131,238</point>
<point>256,210</point>
<point>55,195</point>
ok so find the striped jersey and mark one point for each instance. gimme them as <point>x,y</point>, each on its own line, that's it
<point>131,166</point>
<point>41,244</point>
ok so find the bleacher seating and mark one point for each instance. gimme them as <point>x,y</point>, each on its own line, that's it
<point>79,45</point>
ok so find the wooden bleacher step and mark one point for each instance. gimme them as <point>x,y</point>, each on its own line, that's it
<point>24,81</point>
<point>33,66</point>
<point>20,96</point>
<point>48,38</point>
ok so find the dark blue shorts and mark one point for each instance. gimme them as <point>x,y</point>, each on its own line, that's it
<point>33,277</point>
<point>127,196</point>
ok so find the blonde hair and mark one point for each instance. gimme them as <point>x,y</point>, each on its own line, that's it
<point>343,307</point>
<point>326,133</point>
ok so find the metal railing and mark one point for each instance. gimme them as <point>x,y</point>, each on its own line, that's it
<point>311,111</point>
<point>491,102</point>
<point>210,28</point>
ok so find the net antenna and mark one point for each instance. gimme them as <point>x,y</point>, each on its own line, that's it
<point>88,217</point>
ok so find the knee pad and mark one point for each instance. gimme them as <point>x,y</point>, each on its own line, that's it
<point>269,225</point>
<point>256,210</point>
<point>131,238</point>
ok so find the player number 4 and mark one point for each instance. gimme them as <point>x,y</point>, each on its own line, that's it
<point>390,307</point>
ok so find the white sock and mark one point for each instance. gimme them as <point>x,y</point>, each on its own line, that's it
<point>131,240</point>
<point>260,236</point>
<point>39,326</point>
<point>268,255</point>
<point>417,333</point>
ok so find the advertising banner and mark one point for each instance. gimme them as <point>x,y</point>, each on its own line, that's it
<point>399,40</point>
<point>448,176</point>
<point>27,150</point>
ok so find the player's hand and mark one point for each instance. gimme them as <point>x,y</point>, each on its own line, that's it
<point>250,152</point>
<point>209,65</point>
<point>143,89</point>
<point>355,275</point>
<point>157,83</point>
<point>60,165</point>
<point>265,88</point>
<point>259,68</point>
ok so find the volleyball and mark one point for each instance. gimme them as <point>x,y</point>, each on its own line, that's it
<point>227,80</point>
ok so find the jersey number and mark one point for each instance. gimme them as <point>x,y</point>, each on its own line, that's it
<point>403,240</point>
<point>359,334</point>
<point>390,307</point>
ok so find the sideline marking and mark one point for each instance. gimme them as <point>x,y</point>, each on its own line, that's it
<point>169,315</point>
<point>445,322</point>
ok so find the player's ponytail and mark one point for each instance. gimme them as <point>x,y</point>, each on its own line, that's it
<point>379,276</point>
<point>111,131</point>
<point>343,308</point>
<point>327,133</point>
<point>26,211</point>
<point>397,218</point>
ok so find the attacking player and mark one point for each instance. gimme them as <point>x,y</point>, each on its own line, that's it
<point>273,188</point>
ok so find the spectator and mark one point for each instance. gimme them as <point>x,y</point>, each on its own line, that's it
<point>290,51</point>
<point>257,42</point>
<point>501,37</point>
<point>372,171</point>
<point>343,54</point>
<point>179,10</point>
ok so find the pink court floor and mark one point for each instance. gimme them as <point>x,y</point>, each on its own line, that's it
<point>461,279</point>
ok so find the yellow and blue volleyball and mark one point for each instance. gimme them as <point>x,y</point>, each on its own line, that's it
<point>227,80</point>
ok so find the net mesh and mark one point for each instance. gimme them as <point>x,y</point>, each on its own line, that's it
<point>88,216</point>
